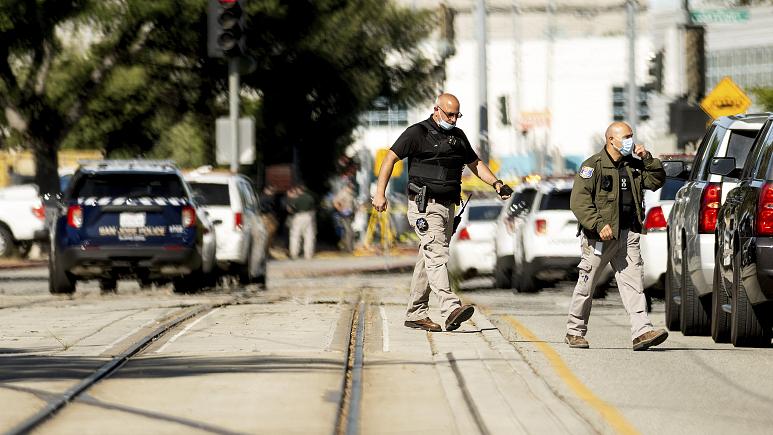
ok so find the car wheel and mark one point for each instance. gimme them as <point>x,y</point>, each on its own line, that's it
<point>746,328</point>
<point>107,285</point>
<point>527,283</point>
<point>693,316</point>
<point>672,309</point>
<point>7,244</point>
<point>190,283</point>
<point>59,281</point>
<point>720,320</point>
<point>503,271</point>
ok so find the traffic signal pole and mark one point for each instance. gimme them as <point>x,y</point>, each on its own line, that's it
<point>233,110</point>
<point>633,90</point>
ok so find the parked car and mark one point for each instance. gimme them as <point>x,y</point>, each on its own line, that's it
<point>130,219</point>
<point>545,237</point>
<point>233,207</point>
<point>513,209</point>
<point>472,245</point>
<point>742,295</point>
<point>22,219</point>
<point>657,207</point>
<point>692,222</point>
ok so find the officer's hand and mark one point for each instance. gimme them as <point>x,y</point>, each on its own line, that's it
<point>606,232</point>
<point>639,150</point>
<point>379,202</point>
<point>504,191</point>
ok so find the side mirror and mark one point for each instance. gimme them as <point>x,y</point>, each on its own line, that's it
<point>724,166</point>
<point>675,169</point>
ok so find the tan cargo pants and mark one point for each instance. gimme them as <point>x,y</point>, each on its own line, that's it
<point>431,270</point>
<point>624,254</point>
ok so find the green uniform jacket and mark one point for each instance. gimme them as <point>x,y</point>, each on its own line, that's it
<point>596,207</point>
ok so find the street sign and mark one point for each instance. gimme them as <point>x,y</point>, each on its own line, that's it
<point>725,99</point>
<point>720,16</point>
<point>223,135</point>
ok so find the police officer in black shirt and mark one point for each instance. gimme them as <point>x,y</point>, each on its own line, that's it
<point>437,152</point>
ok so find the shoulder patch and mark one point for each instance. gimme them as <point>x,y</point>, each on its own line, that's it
<point>586,172</point>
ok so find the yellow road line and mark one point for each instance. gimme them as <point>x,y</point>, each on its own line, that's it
<point>607,411</point>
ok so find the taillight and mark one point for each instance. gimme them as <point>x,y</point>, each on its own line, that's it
<point>464,234</point>
<point>656,220</point>
<point>541,226</point>
<point>710,198</point>
<point>188,216</point>
<point>75,216</point>
<point>39,212</point>
<point>765,211</point>
<point>238,221</point>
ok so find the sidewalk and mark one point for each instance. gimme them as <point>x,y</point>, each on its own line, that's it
<point>324,265</point>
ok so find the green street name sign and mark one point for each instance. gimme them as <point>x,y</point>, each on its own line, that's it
<point>720,16</point>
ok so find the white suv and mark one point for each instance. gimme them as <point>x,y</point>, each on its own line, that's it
<point>232,206</point>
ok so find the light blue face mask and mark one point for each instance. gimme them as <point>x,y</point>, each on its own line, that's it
<point>445,124</point>
<point>627,146</point>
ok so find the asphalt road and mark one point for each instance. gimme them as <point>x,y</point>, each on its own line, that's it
<point>271,361</point>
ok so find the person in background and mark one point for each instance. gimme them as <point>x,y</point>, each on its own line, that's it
<point>303,223</point>
<point>269,209</point>
<point>344,204</point>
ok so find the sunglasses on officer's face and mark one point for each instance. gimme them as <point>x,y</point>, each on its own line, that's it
<point>455,115</point>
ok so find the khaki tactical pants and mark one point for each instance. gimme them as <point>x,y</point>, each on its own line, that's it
<point>303,225</point>
<point>431,270</point>
<point>625,256</point>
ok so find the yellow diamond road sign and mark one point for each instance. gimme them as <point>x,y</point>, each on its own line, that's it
<point>725,99</point>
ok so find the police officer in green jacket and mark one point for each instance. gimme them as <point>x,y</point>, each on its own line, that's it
<point>607,199</point>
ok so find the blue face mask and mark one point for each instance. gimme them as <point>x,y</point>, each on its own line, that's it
<point>446,125</point>
<point>627,146</point>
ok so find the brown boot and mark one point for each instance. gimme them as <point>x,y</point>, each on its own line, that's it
<point>426,324</point>
<point>576,341</point>
<point>459,315</point>
<point>649,339</point>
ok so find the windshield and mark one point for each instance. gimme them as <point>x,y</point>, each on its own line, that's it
<point>211,193</point>
<point>130,185</point>
<point>555,200</point>
<point>484,212</point>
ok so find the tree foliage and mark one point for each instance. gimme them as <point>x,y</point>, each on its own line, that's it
<point>132,77</point>
<point>764,98</point>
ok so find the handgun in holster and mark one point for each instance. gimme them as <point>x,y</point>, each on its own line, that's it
<point>421,196</point>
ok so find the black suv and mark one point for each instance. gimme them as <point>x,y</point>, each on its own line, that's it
<point>129,219</point>
<point>743,274</point>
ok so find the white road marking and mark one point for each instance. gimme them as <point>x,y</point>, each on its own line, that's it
<point>332,330</point>
<point>187,328</point>
<point>129,334</point>
<point>384,329</point>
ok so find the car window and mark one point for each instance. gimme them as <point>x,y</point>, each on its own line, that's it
<point>710,151</point>
<point>484,212</point>
<point>763,158</point>
<point>701,152</point>
<point>669,189</point>
<point>757,148</point>
<point>555,200</point>
<point>739,144</point>
<point>212,193</point>
<point>130,186</point>
<point>522,202</point>
<point>247,198</point>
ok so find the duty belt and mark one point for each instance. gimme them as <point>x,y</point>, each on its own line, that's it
<point>445,202</point>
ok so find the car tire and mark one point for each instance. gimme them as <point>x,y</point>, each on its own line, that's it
<point>503,272</point>
<point>672,308</point>
<point>526,282</point>
<point>190,283</point>
<point>7,243</point>
<point>59,281</point>
<point>746,328</point>
<point>720,320</point>
<point>693,315</point>
<point>108,285</point>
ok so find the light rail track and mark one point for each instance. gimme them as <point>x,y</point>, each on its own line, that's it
<point>348,418</point>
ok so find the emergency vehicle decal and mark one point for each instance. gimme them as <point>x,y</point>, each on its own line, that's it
<point>146,200</point>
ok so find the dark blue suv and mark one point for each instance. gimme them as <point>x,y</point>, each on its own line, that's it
<point>130,219</point>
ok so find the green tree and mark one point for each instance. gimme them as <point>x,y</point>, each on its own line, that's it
<point>132,77</point>
<point>764,98</point>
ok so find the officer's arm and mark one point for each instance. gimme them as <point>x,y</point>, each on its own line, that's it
<point>581,203</point>
<point>653,175</point>
<point>482,171</point>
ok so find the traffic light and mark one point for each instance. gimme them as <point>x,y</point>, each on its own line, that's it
<point>656,71</point>
<point>618,103</point>
<point>226,28</point>
<point>504,117</point>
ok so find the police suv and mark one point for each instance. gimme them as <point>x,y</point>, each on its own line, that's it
<point>130,219</point>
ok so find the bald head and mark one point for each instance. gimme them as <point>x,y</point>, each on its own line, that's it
<point>616,132</point>
<point>446,109</point>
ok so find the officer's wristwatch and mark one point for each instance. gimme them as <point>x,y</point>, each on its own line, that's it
<point>495,184</point>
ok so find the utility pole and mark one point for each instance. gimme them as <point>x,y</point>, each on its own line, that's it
<point>517,137</point>
<point>633,89</point>
<point>233,110</point>
<point>551,38</point>
<point>480,15</point>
